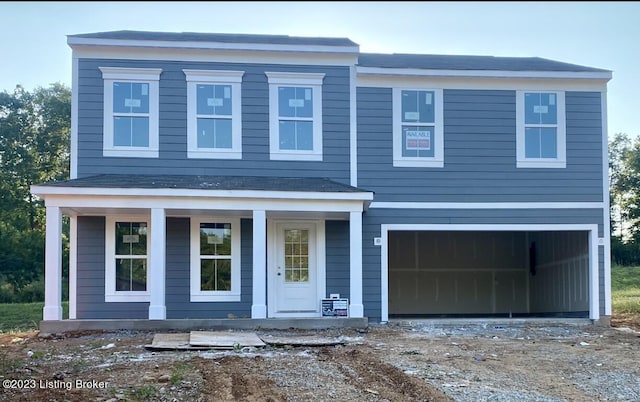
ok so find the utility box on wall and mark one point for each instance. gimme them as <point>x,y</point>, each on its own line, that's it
<point>335,307</point>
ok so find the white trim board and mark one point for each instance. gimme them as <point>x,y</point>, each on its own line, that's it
<point>487,205</point>
<point>594,285</point>
<point>606,207</point>
<point>210,45</point>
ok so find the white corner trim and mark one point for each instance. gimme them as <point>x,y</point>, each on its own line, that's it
<point>73,266</point>
<point>606,206</point>
<point>197,295</point>
<point>75,68</point>
<point>353,127</point>
<point>486,205</point>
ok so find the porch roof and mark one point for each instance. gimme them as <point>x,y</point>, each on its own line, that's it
<point>256,183</point>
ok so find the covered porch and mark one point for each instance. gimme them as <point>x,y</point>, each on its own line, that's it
<point>270,237</point>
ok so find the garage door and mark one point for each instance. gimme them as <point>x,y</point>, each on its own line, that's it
<point>465,273</point>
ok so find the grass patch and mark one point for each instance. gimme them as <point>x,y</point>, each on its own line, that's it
<point>625,290</point>
<point>18,317</point>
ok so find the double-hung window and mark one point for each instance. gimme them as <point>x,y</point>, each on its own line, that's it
<point>540,129</point>
<point>295,115</point>
<point>131,111</point>
<point>126,258</point>
<point>214,123</point>
<point>215,259</point>
<point>418,139</point>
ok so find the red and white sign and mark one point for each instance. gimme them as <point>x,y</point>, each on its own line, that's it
<point>417,140</point>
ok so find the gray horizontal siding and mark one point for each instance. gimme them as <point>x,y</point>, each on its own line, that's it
<point>91,273</point>
<point>173,124</point>
<point>480,152</point>
<point>178,275</point>
<point>337,258</point>
<point>374,217</point>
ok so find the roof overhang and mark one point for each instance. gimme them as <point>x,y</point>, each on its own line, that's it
<point>76,41</point>
<point>404,72</point>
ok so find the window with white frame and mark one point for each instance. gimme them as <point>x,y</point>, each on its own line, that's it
<point>295,115</point>
<point>540,129</point>
<point>418,138</point>
<point>214,116</point>
<point>127,243</point>
<point>215,259</point>
<point>131,111</point>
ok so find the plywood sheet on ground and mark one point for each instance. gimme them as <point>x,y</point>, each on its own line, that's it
<point>305,340</point>
<point>172,342</point>
<point>224,340</point>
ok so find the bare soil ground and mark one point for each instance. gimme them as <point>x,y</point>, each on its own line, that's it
<point>399,362</point>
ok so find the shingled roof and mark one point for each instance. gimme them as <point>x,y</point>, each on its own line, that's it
<point>209,183</point>
<point>218,38</point>
<point>454,62</point>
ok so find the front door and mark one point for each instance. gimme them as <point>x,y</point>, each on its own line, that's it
<point>294,270</point>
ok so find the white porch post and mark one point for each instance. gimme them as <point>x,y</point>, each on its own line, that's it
<point>73,266</point>
<point>259,305</point>
<point>53,266</point>
<point>156,273</point>
<point>356,308</point>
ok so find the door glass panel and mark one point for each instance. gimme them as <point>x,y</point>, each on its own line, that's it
<point>296,255</point>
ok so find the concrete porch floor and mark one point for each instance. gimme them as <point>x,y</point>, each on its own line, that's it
<point>61,326</point>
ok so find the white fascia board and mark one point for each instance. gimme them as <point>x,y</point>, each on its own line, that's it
<point>191,193</point>
<point>589,75</point>
<point>144,202</point>
<point>487,205</point>
<point>491,227</point>
<point>72,42</point>
<point>211,56</point>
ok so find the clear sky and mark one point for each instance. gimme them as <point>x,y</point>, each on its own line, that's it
<point>33,49</point>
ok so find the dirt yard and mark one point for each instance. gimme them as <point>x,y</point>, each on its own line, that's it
<point>408,361</point>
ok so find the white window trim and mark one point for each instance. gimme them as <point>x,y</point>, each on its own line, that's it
<point>149,76</point>
<point>215,77</point>
<point>561,139</point>
<point>198,295</point>
<point>437,161</point>
<point>110,292</point>
<point>313,80</point>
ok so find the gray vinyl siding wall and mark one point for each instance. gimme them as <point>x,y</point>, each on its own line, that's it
<point>91,273</point>
<point>173,124</point>
<point>480,152</point>
<point>374,217</point>
<point>178,275</point>
<point>338,258</point>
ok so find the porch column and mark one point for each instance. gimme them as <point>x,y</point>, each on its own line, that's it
<point>356,308</point>
<point>259,305</point>
<point>53,266</point>
<point>156,267</point>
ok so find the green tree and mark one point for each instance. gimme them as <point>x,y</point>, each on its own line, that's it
<point>34,148</point>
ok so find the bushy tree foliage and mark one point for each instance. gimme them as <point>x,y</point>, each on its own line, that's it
<point>34,148</point>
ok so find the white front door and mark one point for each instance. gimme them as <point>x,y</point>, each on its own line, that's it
<point>294,270</point>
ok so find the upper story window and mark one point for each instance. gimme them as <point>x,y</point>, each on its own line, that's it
<point>540,129</point>
<point>418,138</point>
<point>295,116</point>
<point>214,116</point>
<point>131,111</point>
<point>126,259</point>
<point>215,259</point>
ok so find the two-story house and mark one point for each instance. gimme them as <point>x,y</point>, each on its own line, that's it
<point>254,175</point>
